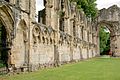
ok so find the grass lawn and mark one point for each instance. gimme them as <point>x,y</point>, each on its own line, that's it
<point>93,69</point>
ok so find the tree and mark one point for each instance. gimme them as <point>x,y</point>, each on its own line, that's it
<point>88,6</point>
<point>104,40</point>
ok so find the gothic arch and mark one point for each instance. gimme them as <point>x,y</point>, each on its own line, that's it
<point>110,18</point>
<point>7,21</point>
<point>36,34</point>
<point>21,42</point>
<point>36,31</point>
<point>22,27</point>
<point>110,26</point>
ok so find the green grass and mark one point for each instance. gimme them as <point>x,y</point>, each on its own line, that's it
<point>93,69</point>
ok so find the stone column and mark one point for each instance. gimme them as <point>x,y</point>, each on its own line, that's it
<point>116,46</point>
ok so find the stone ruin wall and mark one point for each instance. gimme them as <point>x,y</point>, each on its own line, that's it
<point>63,35</point>
<point>111,19</point>
<point>56,46</point>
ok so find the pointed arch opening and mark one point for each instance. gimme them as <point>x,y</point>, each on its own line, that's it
<point>6,35</point>
<point>3,46</point>
<point>22,39</point>
<point>106,37</point>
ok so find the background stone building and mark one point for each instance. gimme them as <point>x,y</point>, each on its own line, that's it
<point>62,35</point>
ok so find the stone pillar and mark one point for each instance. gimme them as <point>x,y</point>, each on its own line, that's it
<point>116,46</point>
<point>53,21</point>
<point>48,7</point>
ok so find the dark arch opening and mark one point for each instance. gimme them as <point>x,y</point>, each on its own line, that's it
<point>7,0</point>
<point>3,46</point>
<point>104,34</point>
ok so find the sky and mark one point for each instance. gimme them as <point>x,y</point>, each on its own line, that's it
<point>39,5</point>
<point>107,3</point>
<point>100,4</point>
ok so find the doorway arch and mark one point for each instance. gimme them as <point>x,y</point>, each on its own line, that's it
<point>6,26</point>
<point>112,36</point>
<point>3,45</point>
<point>110,18</point>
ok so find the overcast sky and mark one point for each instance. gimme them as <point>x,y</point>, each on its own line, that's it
<point>101,4</point>
<point>107,3</point>
<point>39,5</point>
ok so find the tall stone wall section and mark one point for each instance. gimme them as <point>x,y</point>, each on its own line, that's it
<point>72,40</point>
<point>66,35</point>
<point>111,19</point>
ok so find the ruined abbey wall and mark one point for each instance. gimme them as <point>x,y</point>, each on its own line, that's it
<point>63,34</point>
<point>111,19</point>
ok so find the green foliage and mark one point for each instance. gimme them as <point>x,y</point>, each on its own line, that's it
<point>104,40</point>
<point>1,64</point>
<point>88,6</point>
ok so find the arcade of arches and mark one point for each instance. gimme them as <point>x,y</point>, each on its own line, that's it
<point>63,33</point>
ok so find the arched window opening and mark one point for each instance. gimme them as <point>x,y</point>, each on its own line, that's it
<point>62,20</point>
<point>3,46</point>
<point>61,24</point>
<point>74,30</point>
<point>40,11</point>
<point>43,39</point>
<point>82,33</point>
<point>7,0</point>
